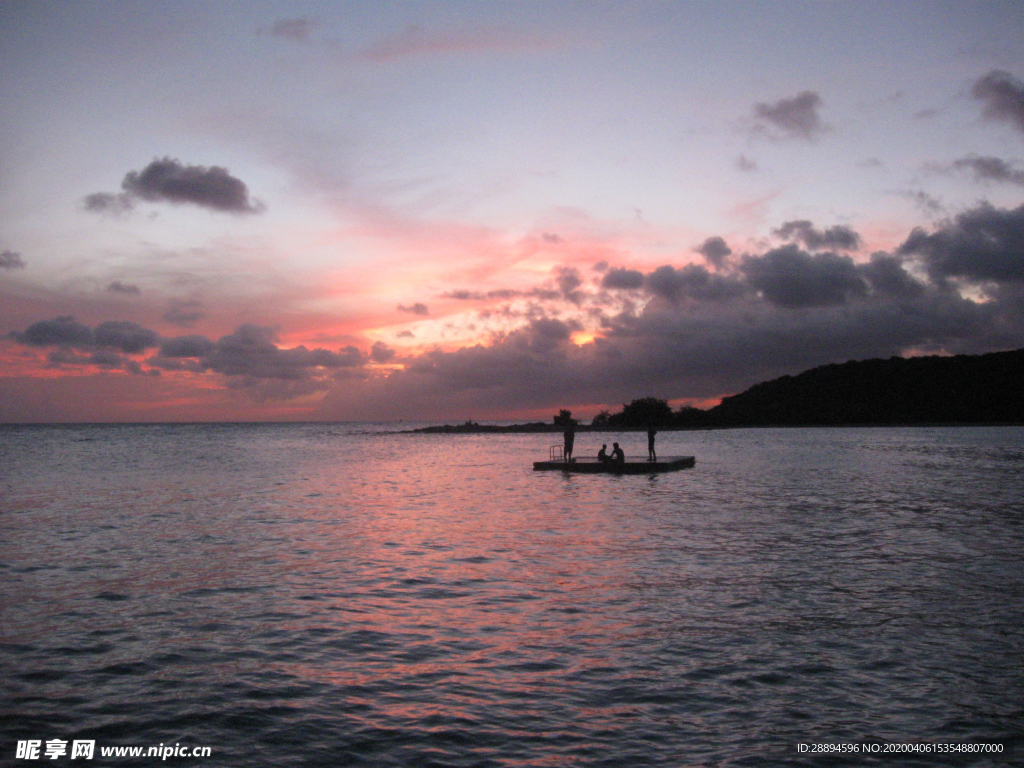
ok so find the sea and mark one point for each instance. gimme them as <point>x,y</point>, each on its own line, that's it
<point>352,595</point>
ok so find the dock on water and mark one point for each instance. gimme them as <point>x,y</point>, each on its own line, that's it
<point>593,466</point>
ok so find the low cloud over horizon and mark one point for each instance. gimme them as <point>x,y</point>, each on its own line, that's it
<point>684,333</point>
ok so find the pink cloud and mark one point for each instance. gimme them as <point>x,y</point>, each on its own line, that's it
<point>753,213</point>
<point>414,41</point>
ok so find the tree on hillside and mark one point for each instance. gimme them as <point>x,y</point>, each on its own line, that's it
<point>688,416</point>
<point>564,419</point>
<point>645,412</point>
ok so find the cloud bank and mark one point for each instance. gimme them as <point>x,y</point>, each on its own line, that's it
<point>248,357</point>
<point>703,334</point>
<point>690,330</point>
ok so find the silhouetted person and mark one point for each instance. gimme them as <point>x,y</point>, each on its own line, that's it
<point>570,438</point>
<point>651,455</point>
<point>602,455</point>
<point>618,457</point>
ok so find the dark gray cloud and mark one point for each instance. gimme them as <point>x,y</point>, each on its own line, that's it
<point>839,237</point>
<point>715,251</point>
<point>678,350</point>
<point>381,352</point>
<point>791,278</point>
<point>186,346</point>
<point>118,287</point>
<point>989,169</point>
<point>251,354</point>
<point>105,358</point>
<point>11,260</point>
<point>251,351</point>
<point>787,277</point>
<point>109,202</point>
<point>184,312</point>
<point>623,279</point>
<point>62,331</point>
<point>416,309</point>
<point>796,117</point>
<point>693,282</point>
<point>130,338</point>
<point>106,342</point>
<point>923,201</point>
<point>984,243</point>
<point>886,275</point>
<point>1003,96</point>
<point>168,180</point>
<point>543,342</point>
<point>504,294</point>
<point>568,281</point>
<point>546,333</point>
<point>544,294</point>
<point>297,30</point>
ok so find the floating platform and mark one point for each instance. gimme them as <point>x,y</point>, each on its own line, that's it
<point>593,466</point>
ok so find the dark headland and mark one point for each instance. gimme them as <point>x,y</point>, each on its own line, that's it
<point>962,389</point>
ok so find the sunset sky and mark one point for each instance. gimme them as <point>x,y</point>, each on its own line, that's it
<point>488,210</point>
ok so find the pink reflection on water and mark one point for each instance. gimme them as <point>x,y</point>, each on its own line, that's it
<point>473,583</point>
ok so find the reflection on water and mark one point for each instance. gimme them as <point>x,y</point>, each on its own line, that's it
<point>328,594</point>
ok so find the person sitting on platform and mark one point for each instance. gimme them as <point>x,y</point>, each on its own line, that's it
<point>602,455</point>
<point>618,456</point>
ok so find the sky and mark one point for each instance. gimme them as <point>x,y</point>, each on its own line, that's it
<point>432,211</point>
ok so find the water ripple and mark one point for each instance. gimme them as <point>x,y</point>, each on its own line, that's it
<point>331,595</point>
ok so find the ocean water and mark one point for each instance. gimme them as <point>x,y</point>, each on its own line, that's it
<point>334,594</point>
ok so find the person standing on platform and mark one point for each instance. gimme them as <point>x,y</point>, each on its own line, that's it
<point>570,439</point>
<point>651,454</point>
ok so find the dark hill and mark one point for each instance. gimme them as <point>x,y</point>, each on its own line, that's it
<point>960,389</point>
